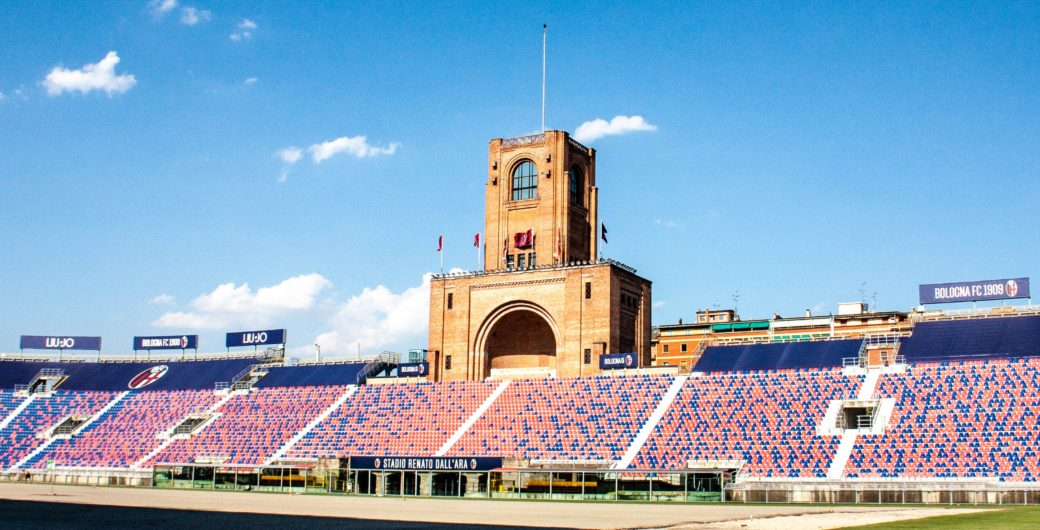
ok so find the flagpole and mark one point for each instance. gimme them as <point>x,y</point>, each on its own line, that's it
<point>545,30</point>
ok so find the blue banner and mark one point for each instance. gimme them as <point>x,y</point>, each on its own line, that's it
<point>43,342</point>
<point>255,338</point>
<point>615,361</point>
<point>944,293</point>
<point>426,463</point>
<point>413,369</point>
<point>169,342</point>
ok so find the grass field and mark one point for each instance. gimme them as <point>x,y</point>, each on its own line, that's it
<point>1014,517</point>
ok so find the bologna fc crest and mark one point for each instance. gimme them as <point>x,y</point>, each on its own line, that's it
<point>376,464</point>
<point>148,377</point>
<point>1011,289</point>
<point>629,361</point>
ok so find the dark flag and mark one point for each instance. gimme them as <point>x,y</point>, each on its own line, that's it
<point>603,232</point>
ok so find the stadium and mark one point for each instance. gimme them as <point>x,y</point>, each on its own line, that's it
<point>546,381</point>
<point>209,231</point>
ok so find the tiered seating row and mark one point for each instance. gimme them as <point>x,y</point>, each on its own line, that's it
<point>973,419</point>
<point>592,418</point>
<point>253,426</point>
<point>129,430</point>
<point>411,420</point>
<point>19,438</point>
<point>767,419</point>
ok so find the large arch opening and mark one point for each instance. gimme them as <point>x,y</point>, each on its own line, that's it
<point>518,338</point>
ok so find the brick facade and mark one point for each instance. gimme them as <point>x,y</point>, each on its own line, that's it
<point>553,318</point>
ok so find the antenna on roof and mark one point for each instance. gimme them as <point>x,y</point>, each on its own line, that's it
<point>545,30</point>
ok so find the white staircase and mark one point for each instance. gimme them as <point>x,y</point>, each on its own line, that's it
<point>644,433</point>
<point>472,419</point>
<point>841,456</point>
<point>16,411</point>
<point>869,384</point>
<point>46,445</point>
<point>310,426</point>
<point>166,443</point>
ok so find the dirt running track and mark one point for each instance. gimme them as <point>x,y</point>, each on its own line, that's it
<point>33,506</point>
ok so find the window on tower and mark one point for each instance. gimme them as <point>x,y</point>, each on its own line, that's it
<point>525,181</point>
<point>577,186</point>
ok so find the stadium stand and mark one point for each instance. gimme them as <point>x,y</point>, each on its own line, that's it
<point>128,431</point>
<point>777,356</point>
<point>971,415</point>
<point>593,418</point>
<point>252,426</point>
<point>412,419</point>
<point>767,419</point>
<point>971,419</point>
<point>945,340</point>
<point>19,438</point>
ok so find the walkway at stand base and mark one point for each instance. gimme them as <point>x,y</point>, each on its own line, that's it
<point>443,512</point>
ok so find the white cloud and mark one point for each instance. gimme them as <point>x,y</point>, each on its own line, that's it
<point>658,304</point>
<point>191,15</point>
<point>231,304</point>
<point>290,155</point>
<point>666,223</point>
<point>162,299</point>
<point>97,76</point>
<point>590,131</point>
<point>160,8</point>
<point>2,96</point>
<point>245,30</point>
<point>250,81</point>
<point>378,317</point>
<point>354,145</point>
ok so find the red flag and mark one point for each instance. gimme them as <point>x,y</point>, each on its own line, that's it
<point>476,240</point>
<point>440,243</point>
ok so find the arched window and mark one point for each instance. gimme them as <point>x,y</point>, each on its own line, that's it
<point>525,181</point>
<point>577,186</point>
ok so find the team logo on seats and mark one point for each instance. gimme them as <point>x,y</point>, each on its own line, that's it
<point>148,377</point>
<point>1012,288</point>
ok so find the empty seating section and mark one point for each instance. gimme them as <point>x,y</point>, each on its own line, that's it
<point>252,426</point>
<point>767,419</point>
<point>973,419</point>
<point>19,438</point>
<point>987,337</point>
<point>777,356</point>
<point>129,430</point>
<point>406,420</point>
<point>593,418</point>
<point>8,402</point>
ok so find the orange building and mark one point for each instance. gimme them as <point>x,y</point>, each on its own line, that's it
<point>682,344</point>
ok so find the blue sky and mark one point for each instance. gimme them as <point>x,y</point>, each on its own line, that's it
<point>797,153</point>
